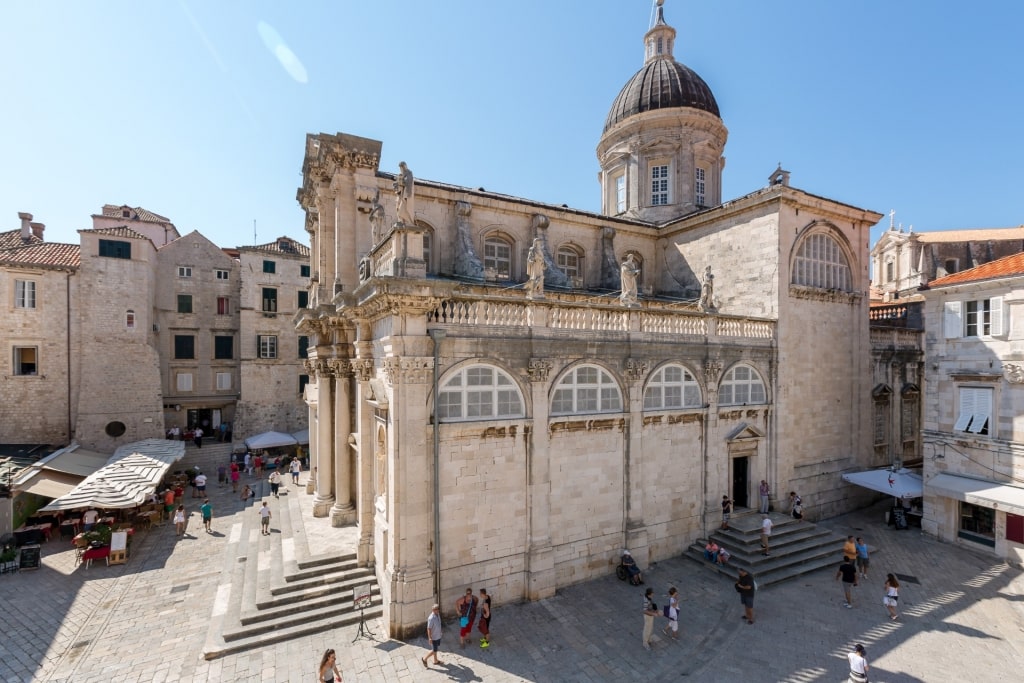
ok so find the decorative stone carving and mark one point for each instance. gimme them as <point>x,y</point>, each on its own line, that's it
<point>539,369</point>
<point>362,368</point>
<point>409,370</point>
<point>636,370</point>
<point>535,270</point>
<point>406,193</point>
<point>340,368</point>
<point>377,219</point>
<point>712,371</point>
<point>629,275</point>
<point>310,366</point>
<point>467,263</point>
<point>553,275</point>
<point>609,264</point>
<point>1014,373</point>
<point>707,292</point>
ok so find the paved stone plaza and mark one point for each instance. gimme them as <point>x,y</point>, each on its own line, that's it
<point>962,618</point>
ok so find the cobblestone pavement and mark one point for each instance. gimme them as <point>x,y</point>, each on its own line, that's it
<point>962,618</point>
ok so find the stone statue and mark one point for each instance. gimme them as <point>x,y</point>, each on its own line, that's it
<point>376,218</point>
<point>406,194</point>
<point>629,273</point>
<point>535,270</point>
<point>707,292</point>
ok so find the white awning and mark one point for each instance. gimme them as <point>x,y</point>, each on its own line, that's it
<point>902,483</point>
<point>270,440</point>
<point>48,483</point>
<point>978,492</point>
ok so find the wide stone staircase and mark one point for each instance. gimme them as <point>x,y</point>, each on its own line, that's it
<point>797,547</point>
<point>273,588</point>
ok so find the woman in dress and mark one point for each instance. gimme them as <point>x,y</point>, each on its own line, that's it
<point>892,595</point>
<point>179,520</point>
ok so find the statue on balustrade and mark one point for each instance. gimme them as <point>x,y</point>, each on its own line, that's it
<point>406,195</point>
<point>707,292</point>
<point>535,270</point>
<point>629,274</point>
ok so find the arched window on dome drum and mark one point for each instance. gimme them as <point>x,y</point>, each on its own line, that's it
<point>821,262</point>
<point>699,175</point>
<point>659,184</point>
<point>741,386</point>
<point>479,392</point>
<point>672,386</point>
<point>586,389</point>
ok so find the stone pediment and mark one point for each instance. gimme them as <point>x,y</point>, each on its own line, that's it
<point>744,432</point>
<point>881,392</point>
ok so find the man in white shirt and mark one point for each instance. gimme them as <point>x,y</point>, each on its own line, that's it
<point>766,533</point>
<point>200,482</point>
<point>89,519</point>
<point>295,467</point>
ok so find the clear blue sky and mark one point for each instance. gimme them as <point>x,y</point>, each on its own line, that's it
<point>198,110</point>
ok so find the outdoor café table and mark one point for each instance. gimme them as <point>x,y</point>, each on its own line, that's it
<point>29,534</point>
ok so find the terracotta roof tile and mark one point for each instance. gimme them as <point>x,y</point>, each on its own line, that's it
<point>114,211</point>
<point>120,231</point>
<point>52,254</point>
<point>975,235</point>
<point>12,240</point>
<point>294,248</point>
<point>1007,266</point>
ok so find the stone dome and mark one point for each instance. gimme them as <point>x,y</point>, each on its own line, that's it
<point>661,84</point>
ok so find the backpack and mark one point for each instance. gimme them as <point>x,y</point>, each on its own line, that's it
<point>667,611</point>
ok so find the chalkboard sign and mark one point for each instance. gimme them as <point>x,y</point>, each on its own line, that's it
<point>898,518</point>
<point>29,557</point>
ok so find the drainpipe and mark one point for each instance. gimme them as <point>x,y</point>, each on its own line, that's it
<point>67,342</point>
<point>438,336</point>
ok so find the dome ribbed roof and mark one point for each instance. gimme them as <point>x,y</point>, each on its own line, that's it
<point>661,84</point>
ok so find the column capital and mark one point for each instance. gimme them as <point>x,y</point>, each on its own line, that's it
<point>636,370</point>
<point>409,369</point>
<point>362,368</point>
<point>539,369</point>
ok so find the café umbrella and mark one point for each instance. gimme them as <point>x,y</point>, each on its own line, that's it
<point>902,483</point>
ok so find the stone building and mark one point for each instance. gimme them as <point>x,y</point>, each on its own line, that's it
<point>138,329</point>
<point>507,393</point>
<point>38,286</point>
<point>903,261</point>
<point>272,355</point>
<point>974,408</point>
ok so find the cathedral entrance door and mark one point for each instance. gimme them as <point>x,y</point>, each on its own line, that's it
<point>739,482</point>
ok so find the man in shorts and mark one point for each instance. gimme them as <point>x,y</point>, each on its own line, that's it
<point>848,571</point>
<point>207,511</point>
<point>265,519</point>
<point>745,587</point>
<point>766,534</point>
<point>726,509</point>
<point>200,482</point>
<point>434,634</point>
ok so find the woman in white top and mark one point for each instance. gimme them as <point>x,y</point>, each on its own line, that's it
<point>179,520</point>
<point>892,595</point>
<point>673,614</point>
<point>858,664</point>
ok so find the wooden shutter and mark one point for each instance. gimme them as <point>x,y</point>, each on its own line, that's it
<point>996,316</point>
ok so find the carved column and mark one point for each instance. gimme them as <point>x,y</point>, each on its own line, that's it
<point>313,431</point>
<point>541,558</point>
<point>636,531</point>
<point>324,473</point>
<point>343,512</point>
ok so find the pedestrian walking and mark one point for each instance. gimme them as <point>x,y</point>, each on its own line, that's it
<point>858,664</point>
<point>765,494</point>
<point>328,671</point>
<point>168,503</point>
<point>275,483</point>
<point>465,607</point>
<point>179,520</point>
<point>200,485</point>
<point>485,619</point>
<point>434,634</point>
<point>257,465</point>
<point>726,510</point>
<point>248,463</point>
<point>766,534</point>
<point>265,519</point>
<point>848,572</point>
<point>295,468</point>
<point>863,561</point>
<point>650,611</point>
<point>892,596</point>
<point>850,548</point>
<point>746,588</point>
<point>197,437</point>
<point>207,512</point>
<point>672,612</point>
<point>222,475</point>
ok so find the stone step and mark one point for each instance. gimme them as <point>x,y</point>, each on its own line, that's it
<point>326,565</point>
<point>339,597</point>
<point>797,566</point>
<point>349,576</point>
<point>287,619</point>
<point>258,637</point>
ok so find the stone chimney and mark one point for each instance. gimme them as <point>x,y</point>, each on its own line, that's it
<point>26,225</point>
<point>37,229</point>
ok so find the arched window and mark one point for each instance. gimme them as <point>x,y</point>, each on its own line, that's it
<point>586,389</point>
<point>569,260</point>
<point>741,386</point>
<point>498,256</point>
<point>479,392</point>
<point>428,250</point>
<point>672,386</point>
<point>820,262</point>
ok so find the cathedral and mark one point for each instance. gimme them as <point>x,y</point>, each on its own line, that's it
<point>505,393</point>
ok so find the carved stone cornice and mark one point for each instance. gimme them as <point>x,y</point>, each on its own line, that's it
<point>636,370</point>
<point>834,296</point>
<point>539,369</point>
<point>712,371</point>
<point>390,304</point>
<point>409,369</point>
<point>362,368</point>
